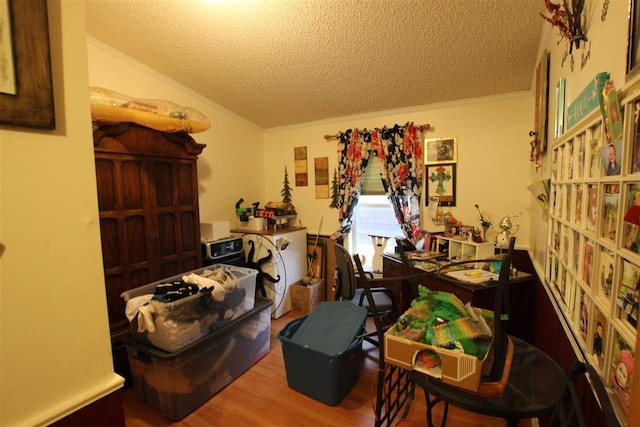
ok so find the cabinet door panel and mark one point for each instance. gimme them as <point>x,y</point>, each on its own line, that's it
<point>187,182</point>
<point>106,181</point>
<point>116,305</point>
<point>163,183</point>
<point>167,231</point>
<point>131,185</point>
<point>111,242</point>
<point>189,230</point>
<point>136,238</point>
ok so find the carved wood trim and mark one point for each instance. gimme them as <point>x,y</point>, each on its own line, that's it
<point>135,139</point>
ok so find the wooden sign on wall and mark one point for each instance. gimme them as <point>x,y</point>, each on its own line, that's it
<point>322,177</point>
<point>302,176</point>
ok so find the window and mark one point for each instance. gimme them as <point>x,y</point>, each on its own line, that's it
<point>373,216</point>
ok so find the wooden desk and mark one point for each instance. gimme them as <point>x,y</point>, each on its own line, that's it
<point>521,294</point>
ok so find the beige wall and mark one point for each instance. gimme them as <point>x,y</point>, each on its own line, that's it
<point>493,157</point>
<point>55,354</point>
<point>231,165</point>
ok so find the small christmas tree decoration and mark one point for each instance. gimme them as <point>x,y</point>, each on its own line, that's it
<point>334,191</point>
<point>286,189</point>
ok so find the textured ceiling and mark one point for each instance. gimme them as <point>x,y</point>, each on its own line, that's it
<point>283,62</point>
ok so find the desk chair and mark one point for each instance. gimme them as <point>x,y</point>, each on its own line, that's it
<point>346,290</point>
<point>394,389</point>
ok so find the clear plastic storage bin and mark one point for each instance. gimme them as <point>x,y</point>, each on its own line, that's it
<point>181,322</point>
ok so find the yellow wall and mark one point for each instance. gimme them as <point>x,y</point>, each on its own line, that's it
<point>55,353</point>
<point>493,158</point>
<point>231,165</point>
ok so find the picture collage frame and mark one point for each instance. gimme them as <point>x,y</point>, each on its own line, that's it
<point>593,255</point>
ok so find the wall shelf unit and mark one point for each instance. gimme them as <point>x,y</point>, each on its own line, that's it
<point>593,252</point>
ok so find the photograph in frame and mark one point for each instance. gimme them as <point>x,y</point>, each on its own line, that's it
<point>592,206</point>
<point>610,215</point>
<point>440,150</point>
<point>607,274</point>
<point>631,218</point>
<point>600,326</point>
<point>441,182</point>
<point>621,369</point>
<point>628,296</point>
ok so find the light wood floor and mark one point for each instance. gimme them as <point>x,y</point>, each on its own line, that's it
<point>261,397</point>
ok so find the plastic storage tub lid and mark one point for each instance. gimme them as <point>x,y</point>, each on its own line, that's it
<point>332,327</point>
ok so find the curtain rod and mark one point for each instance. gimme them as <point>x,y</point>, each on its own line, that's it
<point>420,128</point>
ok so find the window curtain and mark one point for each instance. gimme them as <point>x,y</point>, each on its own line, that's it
<point>400,154</point>
<point>399,151</point>
<point>353,156</point>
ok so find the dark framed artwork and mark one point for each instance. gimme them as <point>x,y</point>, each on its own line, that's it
<point>31,104</point>
<point>440,150</point>
<point>542,105</point>
<point>635,155</point>
<point>633,53</point>
<point>441,183</point>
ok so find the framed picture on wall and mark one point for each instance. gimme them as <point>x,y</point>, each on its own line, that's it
<point>440,150</point>
<point>441,182</point>
<point>26,87</point>
<point>542,102</point>
<point>635,155</point>
<point>633,52</point>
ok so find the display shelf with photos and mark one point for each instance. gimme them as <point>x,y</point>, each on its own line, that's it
<point>593,253</point>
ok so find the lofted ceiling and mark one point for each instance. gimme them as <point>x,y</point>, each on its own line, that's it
<point>285,62</point>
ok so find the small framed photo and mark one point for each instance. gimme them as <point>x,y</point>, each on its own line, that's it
<point>441,183</point>
<point>611,158</point>
<point>440,150</point>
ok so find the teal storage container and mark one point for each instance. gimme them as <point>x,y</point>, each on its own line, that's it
<point>323,351</point>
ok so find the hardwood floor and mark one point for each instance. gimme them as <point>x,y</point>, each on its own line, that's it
<point>261,397</point>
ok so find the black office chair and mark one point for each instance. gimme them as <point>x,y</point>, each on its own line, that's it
<point>346,290</point>
<point>394,389</point>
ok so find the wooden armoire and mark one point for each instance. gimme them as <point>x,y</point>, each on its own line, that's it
<point>149,219</point>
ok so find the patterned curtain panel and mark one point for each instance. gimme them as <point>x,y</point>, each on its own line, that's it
<point>353,156</point>
<point>400,152</point>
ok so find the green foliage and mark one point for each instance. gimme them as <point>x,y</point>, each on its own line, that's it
<point>335,191</point>
<point>286,189</point>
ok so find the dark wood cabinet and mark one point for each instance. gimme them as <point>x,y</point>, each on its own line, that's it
<point>149,218</point>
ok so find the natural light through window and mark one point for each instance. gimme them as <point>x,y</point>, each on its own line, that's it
<point>373,216</point>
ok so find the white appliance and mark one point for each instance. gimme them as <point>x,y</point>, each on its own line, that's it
<point>281,256</point>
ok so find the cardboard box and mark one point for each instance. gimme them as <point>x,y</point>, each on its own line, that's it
<point>458,369</point>
<point>305,298</point>
<point>217,230</point>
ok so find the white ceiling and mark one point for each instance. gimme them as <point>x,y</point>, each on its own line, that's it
<point>284,62</point>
